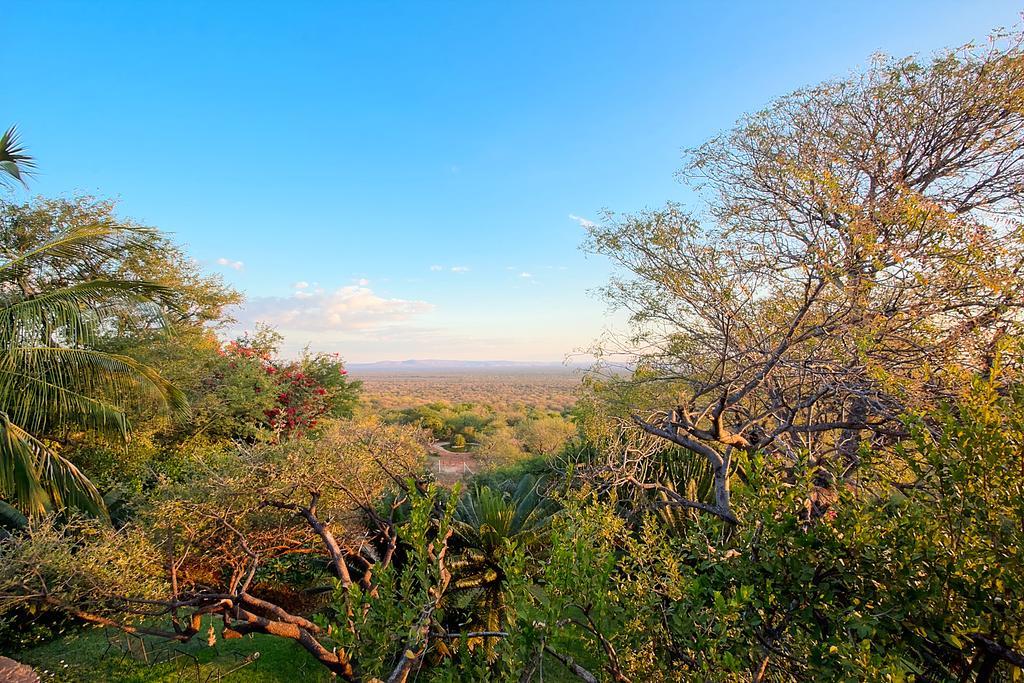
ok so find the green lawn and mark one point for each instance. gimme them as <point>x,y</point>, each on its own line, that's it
<point>87,655</point>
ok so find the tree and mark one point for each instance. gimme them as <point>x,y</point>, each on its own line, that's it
<point>198,298</point>
<point>545,435</point>
<point>916,572</point>
<point>54,310</point>
<point>859,251</point>
<point>52,375</point>
<point>200,546</point>
<point>499,447</point>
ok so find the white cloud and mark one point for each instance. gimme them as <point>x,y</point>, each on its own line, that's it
<point>301,284</point>
<point>362,282</point>
<point>348,309</point>
<point>525,274</point>
<point>436,268</point>
<point>237,265</point>
<point>460,269</point>
<point>584,222</point>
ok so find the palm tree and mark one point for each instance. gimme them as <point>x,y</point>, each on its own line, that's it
<point>490,523</point>
<point>14,162</point>
<point>52,376</point>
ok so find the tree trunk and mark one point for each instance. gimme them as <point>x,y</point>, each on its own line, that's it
<point>721,485</point>
<point>849,439</point>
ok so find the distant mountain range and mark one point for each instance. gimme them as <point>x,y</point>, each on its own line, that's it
<point>432,365</point>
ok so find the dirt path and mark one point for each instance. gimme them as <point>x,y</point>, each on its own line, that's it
<point>438,448</point>
<point>449,466</point>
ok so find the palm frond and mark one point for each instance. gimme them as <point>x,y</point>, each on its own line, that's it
<point>45,383</point>
<point>39,405</point>
<point>14,162</point>
<point>487,518</point>
<point>98,241</point>
<point>37,479</point>
<point>77,314</point>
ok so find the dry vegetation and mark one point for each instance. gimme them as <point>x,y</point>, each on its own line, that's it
<point>547,391</point>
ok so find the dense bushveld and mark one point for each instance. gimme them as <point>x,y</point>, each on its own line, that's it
<point>497,437</point>
<point>815,472</point>
<point>553,390</point>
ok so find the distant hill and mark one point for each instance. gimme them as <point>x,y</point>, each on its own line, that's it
<point>431,365</point>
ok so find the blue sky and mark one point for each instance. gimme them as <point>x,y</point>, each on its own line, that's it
<point>398,180</point>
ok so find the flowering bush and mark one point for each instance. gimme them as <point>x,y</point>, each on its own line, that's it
<point>304,391</point>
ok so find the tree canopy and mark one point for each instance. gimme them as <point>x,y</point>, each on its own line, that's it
<point>860,249</point>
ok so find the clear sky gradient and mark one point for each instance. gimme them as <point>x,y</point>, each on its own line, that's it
<point>393,180</point>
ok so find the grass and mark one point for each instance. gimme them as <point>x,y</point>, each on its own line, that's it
<point>96,654</point>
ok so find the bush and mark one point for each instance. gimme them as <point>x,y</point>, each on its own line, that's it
<point>917,571</point>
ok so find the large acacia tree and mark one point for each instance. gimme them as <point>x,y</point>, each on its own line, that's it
<point>859,249</point>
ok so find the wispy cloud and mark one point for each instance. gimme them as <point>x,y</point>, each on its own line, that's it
<point>455,269</point>
<point>228,263</point>
<point>583,222</point>
<point>301,284</point>
<point>525,274</point>
<point>351,309</point>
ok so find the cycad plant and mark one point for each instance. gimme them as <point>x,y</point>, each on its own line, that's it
<point>53,311</point>
<point>492,522</point>
<point>686,474</point>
